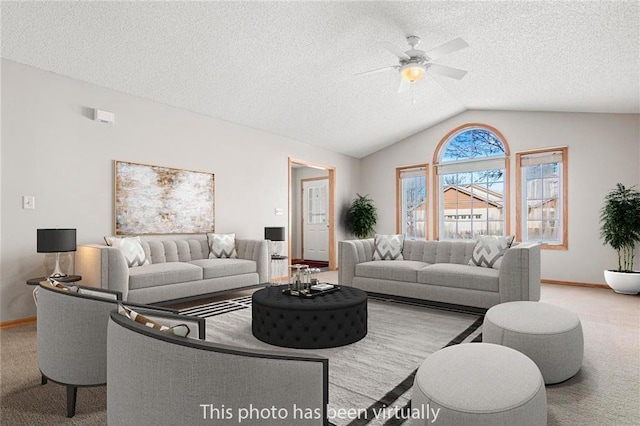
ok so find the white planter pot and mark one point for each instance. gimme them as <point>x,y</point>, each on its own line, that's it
<point>623,282</point>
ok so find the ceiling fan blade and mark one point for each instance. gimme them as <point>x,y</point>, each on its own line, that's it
<point>404,85</point>
<point>393,67</point>
<point>394,49</point>
<point>448,47</point>
<point>446,71</point>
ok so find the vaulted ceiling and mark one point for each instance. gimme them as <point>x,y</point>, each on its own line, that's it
<point>288,67</point>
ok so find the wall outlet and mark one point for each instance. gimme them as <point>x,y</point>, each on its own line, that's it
<point>28,202</point>
<point>279,212</point>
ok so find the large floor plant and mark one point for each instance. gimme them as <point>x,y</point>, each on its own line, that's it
<point>362,216</point>
<point>620,228</point>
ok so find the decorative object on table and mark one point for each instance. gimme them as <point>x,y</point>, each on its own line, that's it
<point>362,216</point>
<point>56,241</point>
<point>299,278</point>
<point>275,234</point>
<point>620,228</point>
<point>313,272</point>
<point>161,200</point>
<point>304,283</point>
<point>322,287</point>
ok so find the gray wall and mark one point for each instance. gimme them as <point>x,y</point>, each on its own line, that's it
<point>603,150</point>
<point>53,150</point>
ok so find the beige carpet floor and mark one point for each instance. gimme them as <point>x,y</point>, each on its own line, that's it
<point>606,391</point>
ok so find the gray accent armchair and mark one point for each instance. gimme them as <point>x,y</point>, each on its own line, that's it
<point>158,378</point>
<point>72,335</point>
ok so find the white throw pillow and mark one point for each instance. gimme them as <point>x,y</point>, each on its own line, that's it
<point>132,249</point>
<point>388,247</point>
<point>489,250</point>
<point>222,246</point>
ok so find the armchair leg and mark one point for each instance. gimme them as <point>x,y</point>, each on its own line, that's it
<point>72,392</point>
<point>43,380</point>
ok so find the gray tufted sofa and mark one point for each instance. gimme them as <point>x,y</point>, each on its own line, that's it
<point>439,271</point>
<point>180,268</point>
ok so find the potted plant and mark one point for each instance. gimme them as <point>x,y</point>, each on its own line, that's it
<point>620,228</point>
<point>362,216</point>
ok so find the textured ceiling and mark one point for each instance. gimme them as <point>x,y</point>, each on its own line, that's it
<point>288,67</point>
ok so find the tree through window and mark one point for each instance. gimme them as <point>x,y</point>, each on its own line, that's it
<point>472,172</point>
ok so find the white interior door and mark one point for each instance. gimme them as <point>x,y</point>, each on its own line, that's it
<point>315,219</point>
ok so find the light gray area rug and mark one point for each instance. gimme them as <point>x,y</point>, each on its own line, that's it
<point>369,381</point>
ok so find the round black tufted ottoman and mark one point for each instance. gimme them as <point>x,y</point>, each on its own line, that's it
<point>326,321</point>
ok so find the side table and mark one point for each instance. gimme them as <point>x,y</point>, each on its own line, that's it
<point>67,279</point>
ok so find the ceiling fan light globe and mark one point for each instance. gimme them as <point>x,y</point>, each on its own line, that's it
<point>412,72</point>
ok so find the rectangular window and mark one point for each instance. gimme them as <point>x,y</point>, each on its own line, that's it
<point>542,197</point>
<point>472,203</point>
<point>411,201</point>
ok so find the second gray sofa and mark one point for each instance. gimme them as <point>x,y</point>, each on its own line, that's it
<point>439,271</point>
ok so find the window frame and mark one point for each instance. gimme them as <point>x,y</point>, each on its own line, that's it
<point>564,193</point>
<point>436,189</point>
<point>399,222</point>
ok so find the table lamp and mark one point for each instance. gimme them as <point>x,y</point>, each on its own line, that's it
<point>274,234</point>
<point>56,241</point>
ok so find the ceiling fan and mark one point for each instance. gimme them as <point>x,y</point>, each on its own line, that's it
<point>415,63</point>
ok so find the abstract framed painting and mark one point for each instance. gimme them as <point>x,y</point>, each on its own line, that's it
<point>162,200</point>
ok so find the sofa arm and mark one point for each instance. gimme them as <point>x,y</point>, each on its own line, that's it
<point>258,251</point>
<point>350,253</point>
<point>519,277</point>
<point>103,267</point>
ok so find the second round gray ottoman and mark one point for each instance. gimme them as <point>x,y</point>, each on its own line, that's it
<point>479,384</point>
<point>551,336</point>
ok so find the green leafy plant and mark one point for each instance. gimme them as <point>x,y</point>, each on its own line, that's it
<point>620,223</point>
<point>362,216</point>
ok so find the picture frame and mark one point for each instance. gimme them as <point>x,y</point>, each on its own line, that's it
<point>152,199</point>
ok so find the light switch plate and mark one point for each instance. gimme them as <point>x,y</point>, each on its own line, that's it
<point>279,212</point>
<point>28,202</point>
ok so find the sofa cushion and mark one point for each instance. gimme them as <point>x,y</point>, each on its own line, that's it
<point>460,276</point>
<point>215,268</point>
<point>400,270</point>
<point>163,273</point>
<point>388,247</point>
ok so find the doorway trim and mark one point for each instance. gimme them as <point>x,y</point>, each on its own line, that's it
<point>302,181</point>
<point>332,203</point>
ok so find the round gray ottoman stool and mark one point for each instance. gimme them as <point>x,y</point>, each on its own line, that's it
<point>551,336</point>
<point>479,384</point>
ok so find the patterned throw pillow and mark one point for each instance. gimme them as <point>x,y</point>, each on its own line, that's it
<point>388,247</point>
<point>489,250</point>
<point>179,330</point>
<point>132,249</point>
<point>222,246</point>
<point>64,287</point>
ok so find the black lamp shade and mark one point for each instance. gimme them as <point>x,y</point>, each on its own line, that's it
<point>56,240</point>
<point>274,234</point>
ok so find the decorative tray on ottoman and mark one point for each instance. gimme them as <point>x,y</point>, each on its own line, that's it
<point>312,292</point>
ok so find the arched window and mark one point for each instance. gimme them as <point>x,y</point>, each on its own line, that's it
<point>472,171</point>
